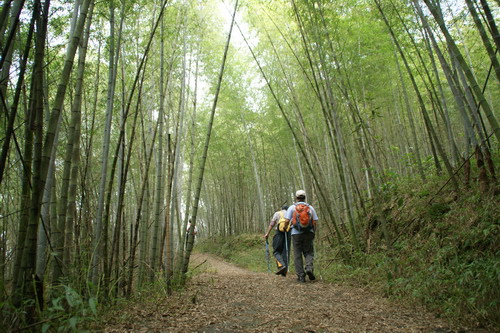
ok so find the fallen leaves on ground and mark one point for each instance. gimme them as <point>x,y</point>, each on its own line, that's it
<point>226,298</point>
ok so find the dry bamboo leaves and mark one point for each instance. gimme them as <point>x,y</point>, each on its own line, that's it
<point>226,298</point>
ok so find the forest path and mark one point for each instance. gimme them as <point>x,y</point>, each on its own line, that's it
<point>225,298</point>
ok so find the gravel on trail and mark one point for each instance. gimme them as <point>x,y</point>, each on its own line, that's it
<point>225,298</point>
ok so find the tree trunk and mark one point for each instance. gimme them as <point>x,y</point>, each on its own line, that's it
<point>183,235</point>
<point>35,122</point>
<point>29,253</point>
<point>5,62</point>
<point>159,183</point>
<point>98,238</point>
<point>190,237</point>
<point>428,124</point>
<point>470,77</point>
<point>482,32</point>
<point>491,22</point>
<point>176,170</point>
<point>7,50</point>
<point>60,228</point>
<point>139,218</point>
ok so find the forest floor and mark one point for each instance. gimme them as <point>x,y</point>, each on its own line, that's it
<point>225,298</point>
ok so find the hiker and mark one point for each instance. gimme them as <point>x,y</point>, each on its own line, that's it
<point>190,229</point>
<point>281,240</point>
<point>303,220</point>
<point>195,229</point>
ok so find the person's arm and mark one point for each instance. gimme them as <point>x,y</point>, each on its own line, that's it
<point>315,219</point>
<point>270,227</point>
<point>268,230</point>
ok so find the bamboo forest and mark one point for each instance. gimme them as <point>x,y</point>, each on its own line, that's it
<point>142,141</point>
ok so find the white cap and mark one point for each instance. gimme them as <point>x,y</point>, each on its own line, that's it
<point>300,193</point>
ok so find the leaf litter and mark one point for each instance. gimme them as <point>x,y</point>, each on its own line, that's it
<point>226,298</point>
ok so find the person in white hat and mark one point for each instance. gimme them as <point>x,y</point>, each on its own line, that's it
<point>304,220</point>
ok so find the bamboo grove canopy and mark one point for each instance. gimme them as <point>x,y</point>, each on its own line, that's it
<point>123,121</point>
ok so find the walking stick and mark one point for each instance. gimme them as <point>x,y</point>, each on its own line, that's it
<point>267,256</point>
<point>286,251</point>
<point>318,269</point>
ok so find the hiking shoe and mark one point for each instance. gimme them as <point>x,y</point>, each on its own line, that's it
<point>311,276</point>
<point>281,271</point>
<point>301,279</point>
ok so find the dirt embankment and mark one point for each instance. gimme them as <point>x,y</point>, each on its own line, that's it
<point>226,298</point>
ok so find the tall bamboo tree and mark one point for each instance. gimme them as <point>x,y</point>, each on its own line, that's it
<point>190,237</point>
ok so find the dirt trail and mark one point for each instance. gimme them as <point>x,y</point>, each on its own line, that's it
<point>226,298</point>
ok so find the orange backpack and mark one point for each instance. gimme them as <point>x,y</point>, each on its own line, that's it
<point>302,217</point>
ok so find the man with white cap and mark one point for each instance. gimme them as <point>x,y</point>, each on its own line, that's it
<point>303,218</point>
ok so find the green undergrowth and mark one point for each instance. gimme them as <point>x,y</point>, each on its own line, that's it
<point>443,252</point>
<point>245,250</point>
